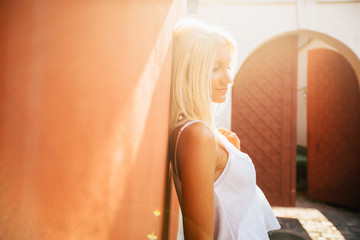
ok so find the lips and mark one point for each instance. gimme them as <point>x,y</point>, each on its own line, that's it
<point>223,89</point>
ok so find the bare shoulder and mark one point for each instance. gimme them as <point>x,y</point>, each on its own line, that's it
<point>196,148</point>
<point>198,132</point>
<point>195,137</point>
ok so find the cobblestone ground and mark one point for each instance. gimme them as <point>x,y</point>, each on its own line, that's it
<point>319,221</point>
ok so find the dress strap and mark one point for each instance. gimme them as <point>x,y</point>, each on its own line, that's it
<point>177,140</point>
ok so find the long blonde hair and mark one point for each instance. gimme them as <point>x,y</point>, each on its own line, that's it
<point>194,51</point>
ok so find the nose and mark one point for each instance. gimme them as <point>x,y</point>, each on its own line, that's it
<point>226,78</point>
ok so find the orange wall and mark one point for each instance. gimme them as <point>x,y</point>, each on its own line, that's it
<point>84,98</point>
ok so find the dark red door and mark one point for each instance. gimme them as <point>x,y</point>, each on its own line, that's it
<point>264,116</point>
<point>333,129</point>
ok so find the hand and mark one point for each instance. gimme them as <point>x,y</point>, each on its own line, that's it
<point>231,136</point>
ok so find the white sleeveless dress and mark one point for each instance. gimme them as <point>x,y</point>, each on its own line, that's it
<point>241,209</point>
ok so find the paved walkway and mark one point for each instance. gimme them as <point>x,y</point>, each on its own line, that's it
<point>313,220</point>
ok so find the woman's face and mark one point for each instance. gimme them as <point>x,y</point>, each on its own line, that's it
<point>221,78</point>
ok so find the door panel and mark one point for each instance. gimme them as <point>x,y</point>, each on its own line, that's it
<point>264,116</point>
<point>333,129</point>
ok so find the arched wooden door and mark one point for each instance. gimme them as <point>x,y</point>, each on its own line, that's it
<point>333,129</point>
<point>264,116</point>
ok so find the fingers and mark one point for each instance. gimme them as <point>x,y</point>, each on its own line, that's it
<point>222,130</point>
<point>231,136</point>
<point>226,132</point>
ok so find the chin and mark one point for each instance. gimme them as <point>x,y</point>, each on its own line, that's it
<point>219,100</point>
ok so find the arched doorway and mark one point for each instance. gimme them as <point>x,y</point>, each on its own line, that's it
<point>264,116</point>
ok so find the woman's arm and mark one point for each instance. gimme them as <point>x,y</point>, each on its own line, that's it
<point>197,158</point>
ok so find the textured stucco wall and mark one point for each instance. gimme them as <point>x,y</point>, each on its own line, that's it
<point>84,117</point>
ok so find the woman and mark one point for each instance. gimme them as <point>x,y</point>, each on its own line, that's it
<point>214,180</point>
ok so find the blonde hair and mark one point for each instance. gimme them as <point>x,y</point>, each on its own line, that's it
<point>194,51</point>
